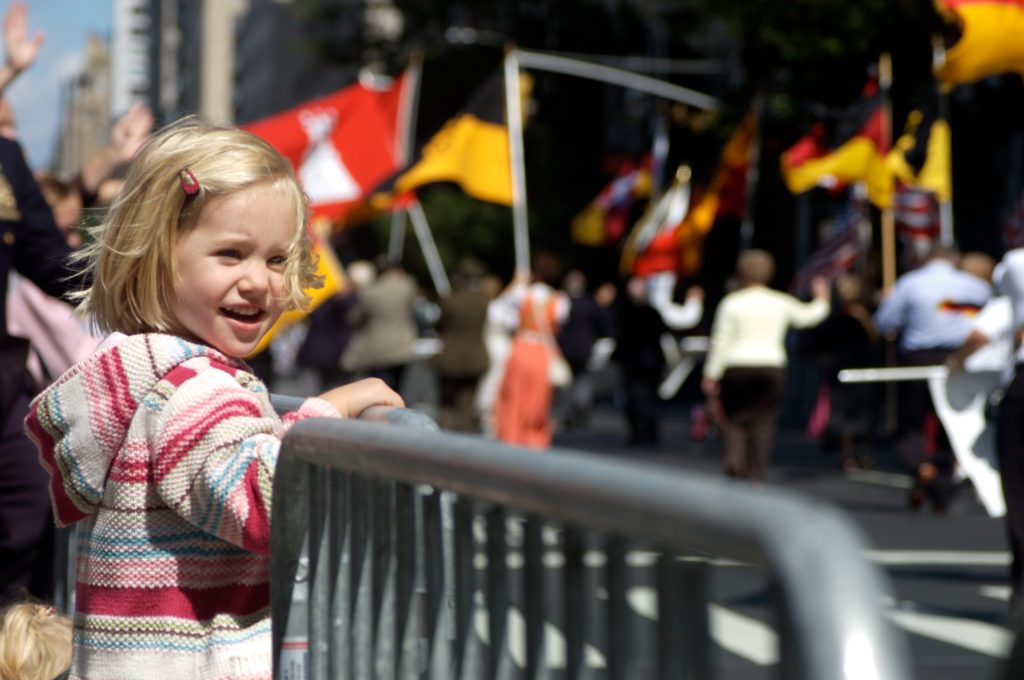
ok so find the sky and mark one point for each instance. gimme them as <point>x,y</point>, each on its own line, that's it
<point>35,95</point>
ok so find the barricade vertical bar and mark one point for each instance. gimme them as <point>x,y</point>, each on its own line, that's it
<point>574,608</point>
<point>64,558</point>
<point>683,640</point>
<point>534,596</point>
<point>619,642</point>
<point>319,509</point>
<point>790,654</point>
<point>439,562</point>
<point>340,665</point>
<point>472,661</point>
<point>363,617</point>
<point>383,619</point>
<point>406,602</point>
<point>497,595</point>
<point>422,620</point>
<point>289,593</point>
<point>692,576</point>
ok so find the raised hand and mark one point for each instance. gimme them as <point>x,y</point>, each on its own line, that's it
<point>21,51</point>
<point>130,132</point>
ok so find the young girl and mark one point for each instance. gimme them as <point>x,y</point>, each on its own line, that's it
<point>163,443</point>
<point>35,642</point>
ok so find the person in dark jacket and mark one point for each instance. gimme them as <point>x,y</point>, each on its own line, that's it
<point>638,351</point>
<point>463,357</point>
<point>30,244</point>
<point>587,322</point>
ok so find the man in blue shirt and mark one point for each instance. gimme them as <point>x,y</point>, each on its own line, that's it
<point>930,308</point>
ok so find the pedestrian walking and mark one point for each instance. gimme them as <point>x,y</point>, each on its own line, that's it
<point>745,368</point>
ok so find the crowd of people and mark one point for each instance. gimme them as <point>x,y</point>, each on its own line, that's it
<point>154,431</point>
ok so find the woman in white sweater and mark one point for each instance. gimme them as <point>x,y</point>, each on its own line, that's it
<point>744,373</point>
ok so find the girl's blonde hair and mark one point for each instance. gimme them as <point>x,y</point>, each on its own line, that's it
<point>35,643</point>
<point>129,265</point>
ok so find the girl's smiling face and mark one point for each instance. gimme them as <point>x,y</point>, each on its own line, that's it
<point>230,270</point>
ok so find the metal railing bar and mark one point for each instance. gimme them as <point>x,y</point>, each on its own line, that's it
<point>693,599</point>
<point>496,593</point>
<point>618,629</point>
<point>574,605</point>
<point>317,523</point>
<point>534,596</point>
<point>407,633</point>
<point>381,618</point>
<point>340,531</point>
<point>386,643</point>
<point>673,645</point>
<point>439,559</point>
<point>289,583</point>
<point>364,615</point>
<point>799,538</point>
<point>468,579</point>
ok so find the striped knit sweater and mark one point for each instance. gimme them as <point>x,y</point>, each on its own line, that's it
<point>164,452</point>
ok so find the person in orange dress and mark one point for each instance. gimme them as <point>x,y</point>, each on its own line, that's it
<point>534,307</point>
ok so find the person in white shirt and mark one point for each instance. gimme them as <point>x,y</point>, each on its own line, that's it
<point>744,372</point>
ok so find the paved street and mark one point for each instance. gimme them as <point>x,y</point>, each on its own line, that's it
<point>948,572</point>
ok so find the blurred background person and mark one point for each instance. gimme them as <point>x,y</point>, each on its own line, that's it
<point>745,369</point>
<point>330,329</point>
<point>638,351</point>
<point>535,308</point>
<point>929,312</point>
<point>587,321</point>
<point>384,327</point>
<point>498,341</point>
<point>847,338</point>
<point>463,356</point>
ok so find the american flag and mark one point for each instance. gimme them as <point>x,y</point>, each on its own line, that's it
<point>916,214</point>
<point>1013,225</point>
<point>840,250</point>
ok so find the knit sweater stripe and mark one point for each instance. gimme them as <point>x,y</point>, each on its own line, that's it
<point>191,604</point>
<point>192,426</point>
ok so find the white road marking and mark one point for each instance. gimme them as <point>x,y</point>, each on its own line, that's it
<point>742,635</point>
<point>977,636</point>
<point>957,558</point>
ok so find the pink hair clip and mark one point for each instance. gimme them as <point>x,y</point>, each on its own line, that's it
<point>189,183</point>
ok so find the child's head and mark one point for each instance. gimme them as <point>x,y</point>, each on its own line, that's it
<point>35,643</point>
<point>206,240</point>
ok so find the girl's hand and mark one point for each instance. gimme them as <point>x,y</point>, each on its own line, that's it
<point>354,398</point>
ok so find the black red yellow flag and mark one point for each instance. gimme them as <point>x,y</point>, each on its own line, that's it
<point>846,149</point>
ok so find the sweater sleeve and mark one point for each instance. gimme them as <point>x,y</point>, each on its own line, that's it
<point>806,314</point>
<point>214,448</point>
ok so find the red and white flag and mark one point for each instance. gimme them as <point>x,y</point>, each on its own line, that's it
<point>342,145</point>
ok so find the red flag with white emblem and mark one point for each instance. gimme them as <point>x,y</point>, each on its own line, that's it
<point>342,145</point>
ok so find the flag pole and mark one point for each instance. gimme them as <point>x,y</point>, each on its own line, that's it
<point>946,236</point>
<point>405,138</point>
<point>422,230</point>
<point>514,116</point>
<point>752,176</point>
<point>888,218</point>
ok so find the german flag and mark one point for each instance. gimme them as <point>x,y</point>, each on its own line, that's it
<point>603,221</point>
<point>921,157</point>
<point>471,150</point>
<point>850,148</point>
<point>726,196</point>
<point>991,39</point>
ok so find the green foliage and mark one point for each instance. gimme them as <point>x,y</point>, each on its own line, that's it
<point>461,226</point>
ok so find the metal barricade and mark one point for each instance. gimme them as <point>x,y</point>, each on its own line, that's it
<point>403,553</point>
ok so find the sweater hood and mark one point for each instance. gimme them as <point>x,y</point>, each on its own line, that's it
<point>80,422</point>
